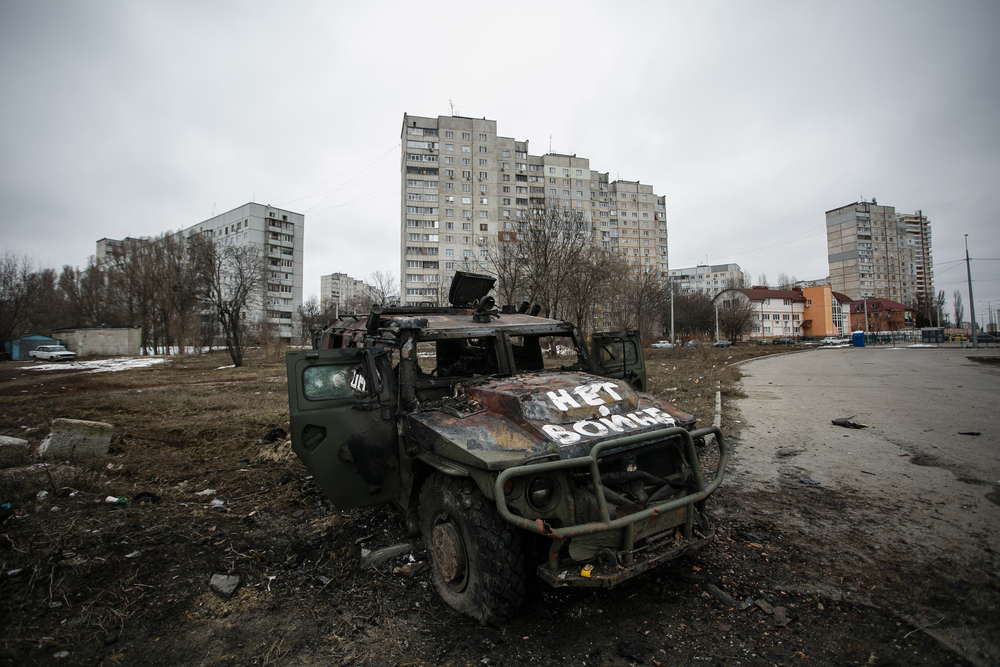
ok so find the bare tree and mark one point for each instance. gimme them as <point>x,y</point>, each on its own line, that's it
<point>539,259</point>
<point>939,302</point>
<point>595,283</point>
<point>959,308</point>
<point>694,314</point>
<point>232,282</point>
<point>316,316</point>
<point>762,280</point>
<point>785,281</point>
<point>735,315</point>
<point>18,288</point>
<point>384,290</point>
<point>638,299</point>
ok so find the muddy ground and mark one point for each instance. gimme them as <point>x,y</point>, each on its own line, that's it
<point>91,583</point>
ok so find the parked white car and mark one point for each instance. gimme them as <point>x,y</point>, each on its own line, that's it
<point>663,344</point>
<point>52,353</point>
<point>830,341</point>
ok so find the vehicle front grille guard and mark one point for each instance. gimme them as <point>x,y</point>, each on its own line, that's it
<point>606,523</point>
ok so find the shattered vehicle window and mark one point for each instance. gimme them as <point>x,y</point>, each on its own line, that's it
<point>611,351</point>
<point>464,357</point>
<point>322,383</point>
<point>537,352</point>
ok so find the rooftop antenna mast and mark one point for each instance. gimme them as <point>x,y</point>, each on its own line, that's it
<point>452,107</point>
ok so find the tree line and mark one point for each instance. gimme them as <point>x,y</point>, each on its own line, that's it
<point>182,292</point>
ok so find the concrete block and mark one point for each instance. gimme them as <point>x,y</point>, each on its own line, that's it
<point>13,451</point>
<point>224,584</point>
<point>75,437</point>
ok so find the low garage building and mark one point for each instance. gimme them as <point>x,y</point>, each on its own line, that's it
<point>17,349</point>
<point>102,341</point>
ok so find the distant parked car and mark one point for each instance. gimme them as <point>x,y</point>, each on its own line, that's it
<point>763,341</point>
<point>721,343</point>
<point>52,353</point>
<point>830,340</point>
<point>692,343</point>
<point>663,344</point>
<point>784,341</point>
<point>986,338</point>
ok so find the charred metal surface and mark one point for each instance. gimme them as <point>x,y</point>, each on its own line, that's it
<point>578,454</point>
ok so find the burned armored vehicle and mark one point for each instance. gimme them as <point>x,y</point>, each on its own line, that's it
<point>510,443</point>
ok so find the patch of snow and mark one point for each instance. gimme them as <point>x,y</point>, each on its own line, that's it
<point>101,365</point>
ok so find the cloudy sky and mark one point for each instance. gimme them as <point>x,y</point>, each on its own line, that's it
<point>133,118</point>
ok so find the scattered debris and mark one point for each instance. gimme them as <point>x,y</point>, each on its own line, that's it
<point>373,557</point>
<point>271,436</point>
<point>847,423</point>
<point>811,482</point>
<point>146,496</point>
<point>969,433</point>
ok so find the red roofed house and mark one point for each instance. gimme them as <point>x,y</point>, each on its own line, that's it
<point>882,315</point>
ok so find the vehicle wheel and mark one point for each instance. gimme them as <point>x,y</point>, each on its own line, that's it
<point>476,561</point>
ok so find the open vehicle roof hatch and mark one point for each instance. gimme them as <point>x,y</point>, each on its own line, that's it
<point>469,288</point>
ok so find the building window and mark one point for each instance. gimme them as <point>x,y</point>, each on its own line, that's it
<point>448,134</point>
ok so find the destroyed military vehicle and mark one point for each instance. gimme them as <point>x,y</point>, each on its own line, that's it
<point>510,443</point>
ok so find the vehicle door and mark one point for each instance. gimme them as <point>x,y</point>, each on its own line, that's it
<point>341,406</point>
<point>619,355</point>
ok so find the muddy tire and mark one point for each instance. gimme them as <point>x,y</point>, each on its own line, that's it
<point>476,561</point>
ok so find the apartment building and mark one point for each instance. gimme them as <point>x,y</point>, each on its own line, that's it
<point>342,291</point>
<point>875,252</point>
<point>279,236</point>
<point>463,184</point>
<point>706,279</point>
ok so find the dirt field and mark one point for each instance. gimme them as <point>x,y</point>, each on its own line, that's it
<point>91,583</point>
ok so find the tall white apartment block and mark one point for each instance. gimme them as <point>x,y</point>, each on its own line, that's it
<point>875,252</point>
<point>463,184</point>
<point>706,279</point>
<point>279,235</point>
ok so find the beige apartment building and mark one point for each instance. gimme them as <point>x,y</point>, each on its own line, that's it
<point>875,252</point>
<point>463,185</point>
<point>342,291</point>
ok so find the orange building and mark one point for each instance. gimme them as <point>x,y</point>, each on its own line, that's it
<point>825,313</point>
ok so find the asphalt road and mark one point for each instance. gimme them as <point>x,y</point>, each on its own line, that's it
<point>917,403</point>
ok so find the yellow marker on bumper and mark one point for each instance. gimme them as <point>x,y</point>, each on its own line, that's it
<point>587,569</point>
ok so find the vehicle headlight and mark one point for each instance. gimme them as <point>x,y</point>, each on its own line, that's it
<point>540,492</point>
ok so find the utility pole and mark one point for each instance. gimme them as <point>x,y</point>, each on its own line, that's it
<point>672,339</point>
<point>972,304</point>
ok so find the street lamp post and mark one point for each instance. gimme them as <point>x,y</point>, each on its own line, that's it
<point>972,301</point>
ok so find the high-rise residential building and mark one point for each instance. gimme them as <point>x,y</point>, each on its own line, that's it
<point>463,184</point>
<point>279,236</point>
<point>875,252</point>
<point>706,279</point>
<point>342,291</point>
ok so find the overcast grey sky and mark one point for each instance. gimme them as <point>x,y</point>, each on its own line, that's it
<point>132,118</point>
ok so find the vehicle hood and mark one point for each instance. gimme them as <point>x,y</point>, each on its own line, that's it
<point>527,416</point>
